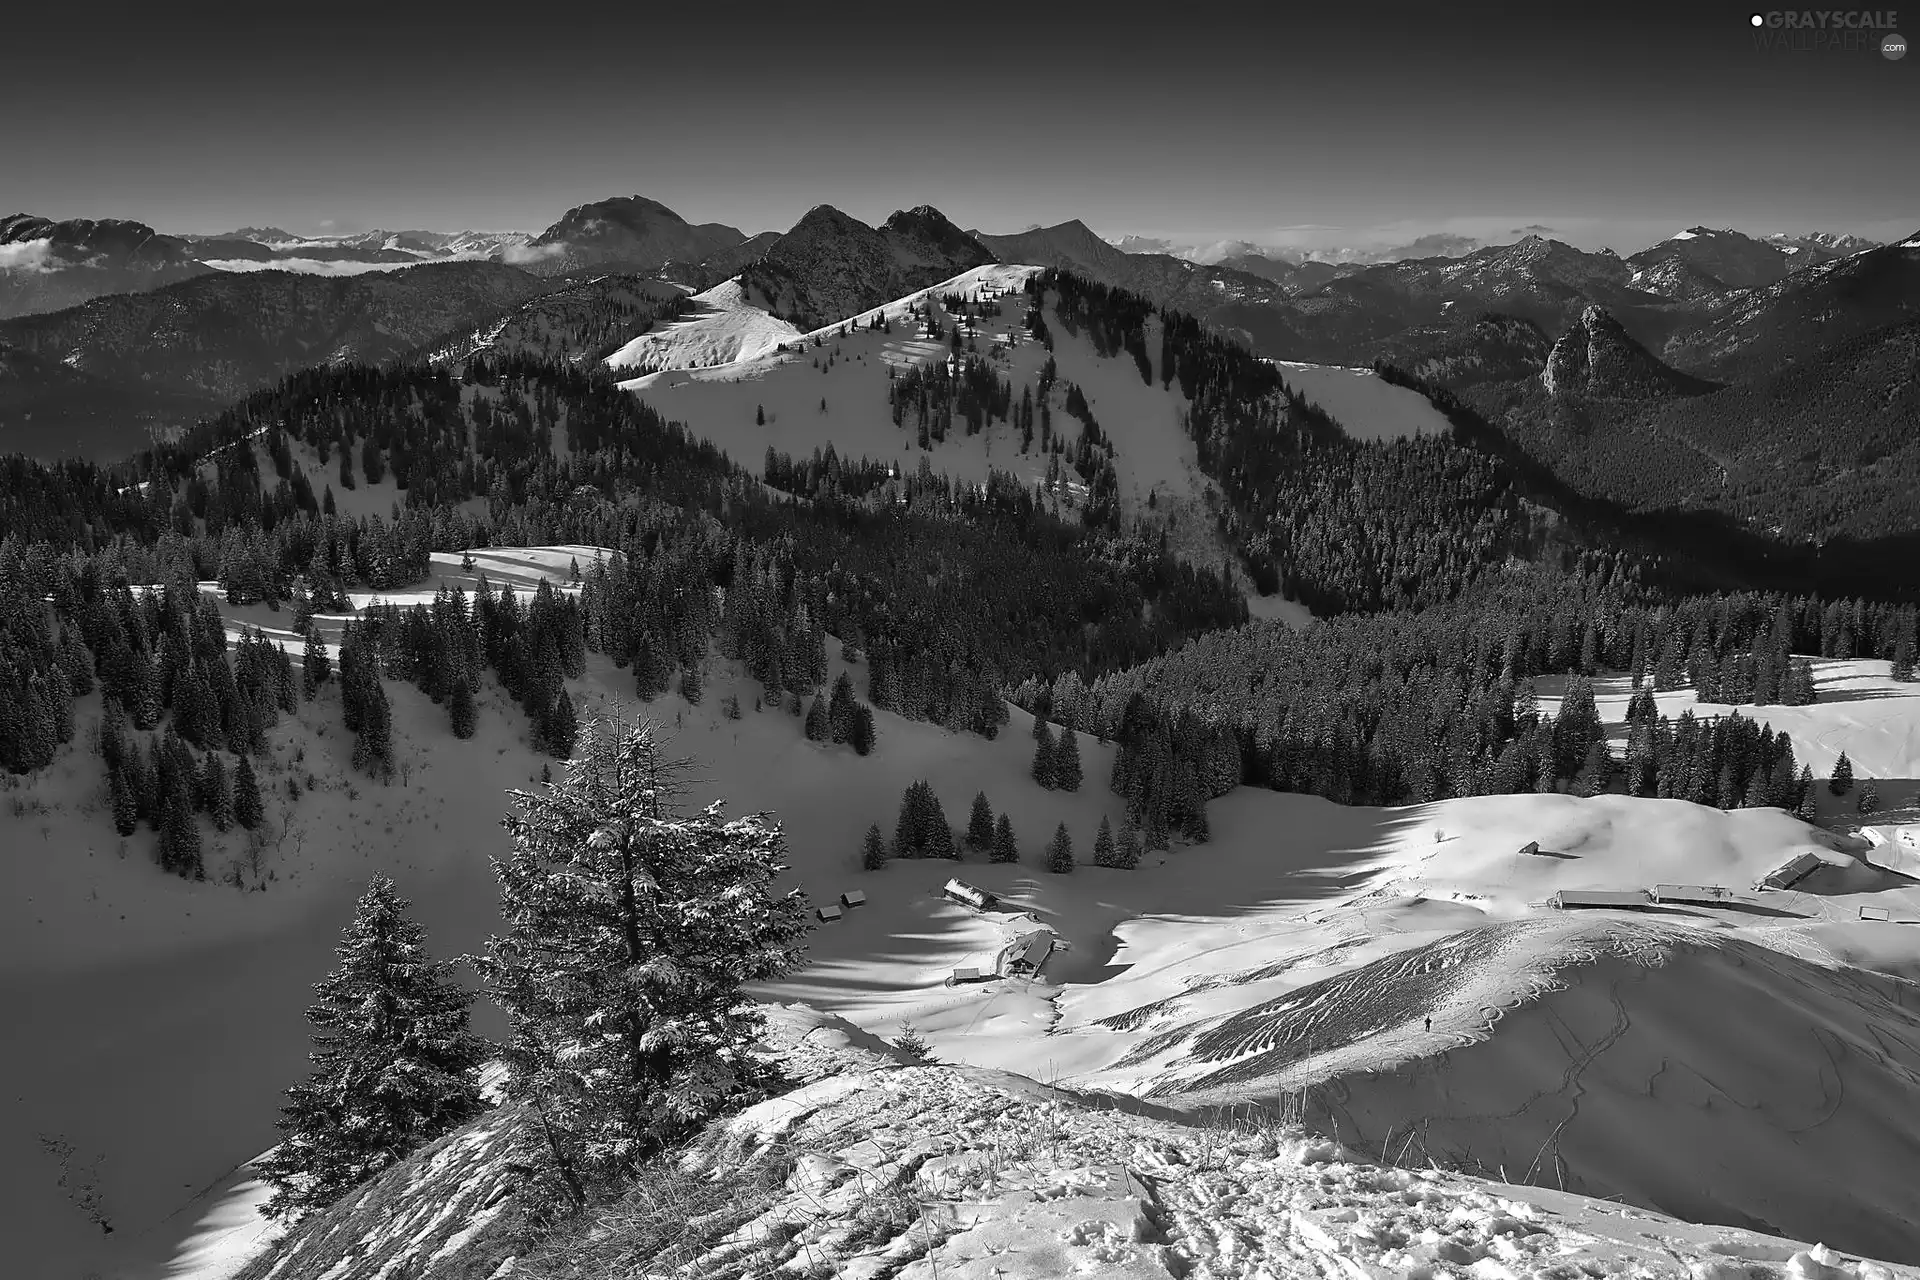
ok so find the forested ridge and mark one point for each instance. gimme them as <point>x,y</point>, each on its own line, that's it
<point>1450,577</point>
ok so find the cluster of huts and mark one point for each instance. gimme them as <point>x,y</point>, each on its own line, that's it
<point>1892,849</point>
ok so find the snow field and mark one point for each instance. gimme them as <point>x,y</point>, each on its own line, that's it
<point>168,1015</point>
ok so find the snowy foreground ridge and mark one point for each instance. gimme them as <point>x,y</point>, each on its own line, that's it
<point>874,1167</point>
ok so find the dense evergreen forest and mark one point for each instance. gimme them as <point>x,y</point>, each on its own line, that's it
<point>1452,578</point>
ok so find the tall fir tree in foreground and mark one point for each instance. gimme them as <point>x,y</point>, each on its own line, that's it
<point>631,929</point>
<point>393,1061</point>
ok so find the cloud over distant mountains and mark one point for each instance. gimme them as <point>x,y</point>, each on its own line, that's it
<point>27,255</point>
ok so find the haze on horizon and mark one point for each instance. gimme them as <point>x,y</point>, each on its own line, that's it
<point>1607,124</point>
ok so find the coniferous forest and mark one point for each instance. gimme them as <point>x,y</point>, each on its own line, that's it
<point>1450,585</point>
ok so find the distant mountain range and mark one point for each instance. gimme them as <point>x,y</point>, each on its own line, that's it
<point>1793,407</point>
<point>1643,380</point>
<point>47,265</point>
<point>96,378</point>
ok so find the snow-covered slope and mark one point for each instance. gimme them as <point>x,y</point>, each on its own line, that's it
<point>829,388</point>
<point>871,1167</point>
<point>166,1017</point>
<point>722,328</point>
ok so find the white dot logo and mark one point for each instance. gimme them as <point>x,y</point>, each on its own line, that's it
<point>1758,20</point>
<point>1894,47</point>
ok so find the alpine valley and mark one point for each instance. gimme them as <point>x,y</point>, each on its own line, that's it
<point>1392,761</point>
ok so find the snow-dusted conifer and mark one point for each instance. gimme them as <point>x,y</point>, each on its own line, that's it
<point>1060,851</point>
<point>1104,853</point>
<point>1043,755</point>
<point>461,709</point>
<point>1066,761</point>
<point>1004,847</point>
<point>980,823</point>
<point>1868,800</point>
<point>1842,780</point>
<point>873,853</point>
<point>631,929</point>
<point>912,1044</point>
<point>393,1061</point>
<point>247,810</point>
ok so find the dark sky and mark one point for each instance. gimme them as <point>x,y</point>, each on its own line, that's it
<point>1609,122</point>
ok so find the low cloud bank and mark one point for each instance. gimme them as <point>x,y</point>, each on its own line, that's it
<point>28,255</point>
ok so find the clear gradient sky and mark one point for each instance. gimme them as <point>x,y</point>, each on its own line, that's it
<point>1197,119</point>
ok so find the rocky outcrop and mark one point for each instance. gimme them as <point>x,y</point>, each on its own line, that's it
<point>831,265</point>
<point>1598,359</point>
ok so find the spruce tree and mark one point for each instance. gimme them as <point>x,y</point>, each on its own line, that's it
<point>1060,851</point>
<point>562,727</point>
<point>1803,805</point>
<point>246,796</point>
<point>1043,755</point>
<point>219,795</point>
<point>394,1063</point>
<point>1004,848</point>
<point>840,706</point>
<point>1842,780</point>
<point>692,685</point>
<point>631,929</point>
<point>818,728</point>
<point>373,739</point>
<point>1868,801</point>
<point>912,1044</point>
<point>1127,856</point>
<point>180,835</point>
<point>463,714</point>
<point>909,829</point>
<point>863,733</point>
<point>873,852</point>
<point>1104,853</point>
<point>1066,761</point>
<point>126,811</point>
<point>315,666</point>
<point>980,824</point>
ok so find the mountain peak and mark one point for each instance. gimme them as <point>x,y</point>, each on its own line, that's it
<point>1598,359</point>
<point>632,232</point>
